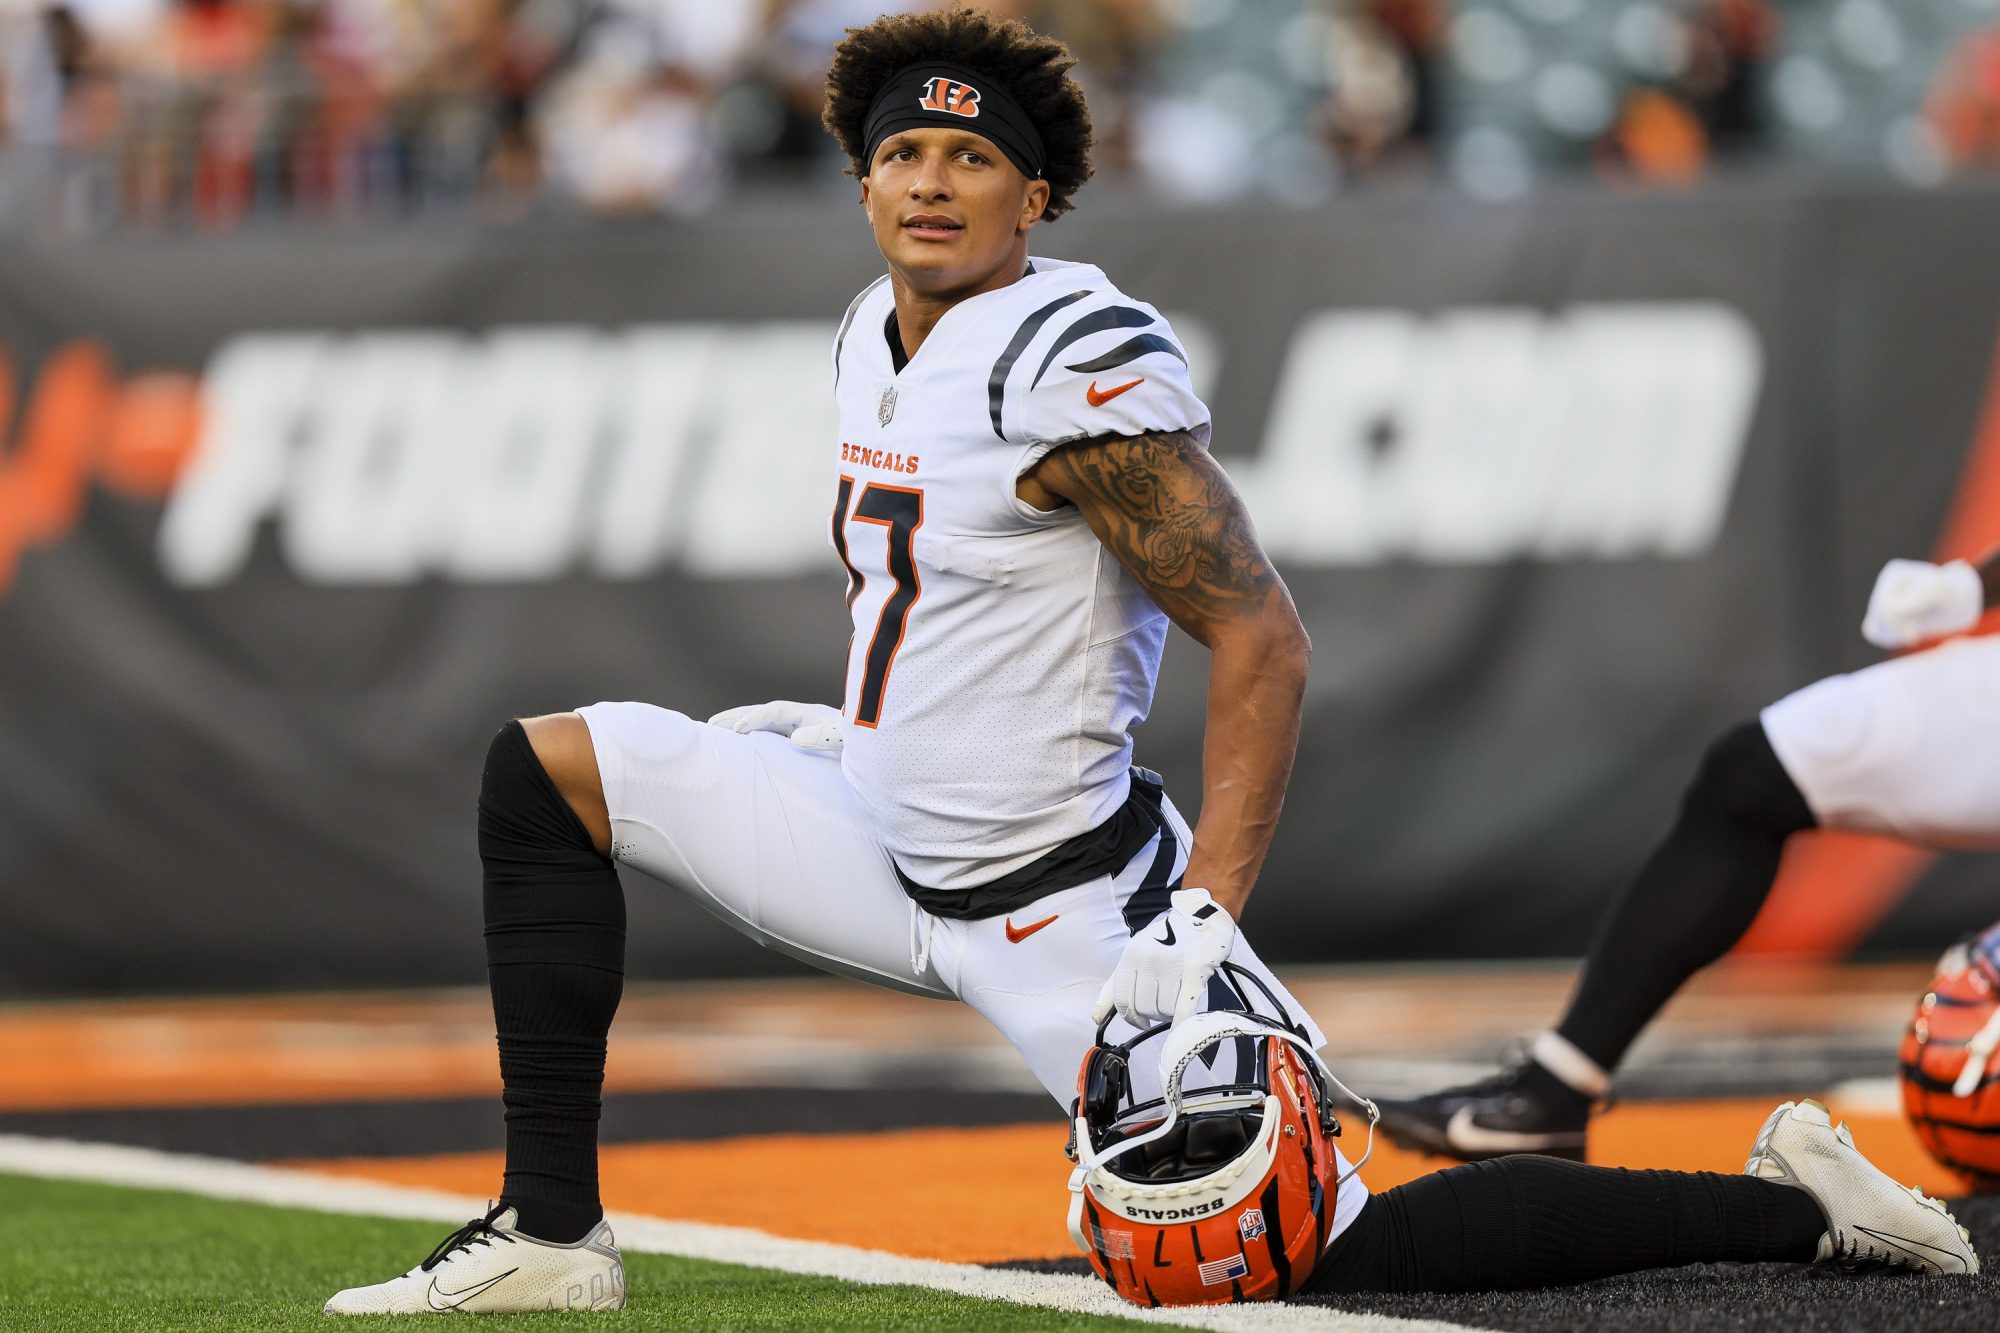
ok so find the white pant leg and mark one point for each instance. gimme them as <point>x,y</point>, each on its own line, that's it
<point>763,834</point>
<point>1909,747</point>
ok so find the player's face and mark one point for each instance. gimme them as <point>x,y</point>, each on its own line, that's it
<point>950,212</point>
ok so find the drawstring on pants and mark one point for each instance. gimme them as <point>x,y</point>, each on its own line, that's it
<point>920,940</point>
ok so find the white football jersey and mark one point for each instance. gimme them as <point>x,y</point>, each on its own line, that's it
<point>1001,655</point>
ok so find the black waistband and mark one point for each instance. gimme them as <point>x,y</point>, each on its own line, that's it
<point>1102,851</point>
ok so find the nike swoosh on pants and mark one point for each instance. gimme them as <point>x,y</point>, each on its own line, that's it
<point>1015,934</point>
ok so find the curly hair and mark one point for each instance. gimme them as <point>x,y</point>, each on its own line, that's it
<point>1034,69</point>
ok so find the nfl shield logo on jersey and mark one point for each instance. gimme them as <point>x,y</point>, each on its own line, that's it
<point>1251,1223</point>
<point>887,407</point>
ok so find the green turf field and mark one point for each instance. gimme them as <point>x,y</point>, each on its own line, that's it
<point>85,1258</point>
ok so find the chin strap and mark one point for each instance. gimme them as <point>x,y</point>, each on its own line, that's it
<point>1076,1179</point>
<point>1374,1116</point>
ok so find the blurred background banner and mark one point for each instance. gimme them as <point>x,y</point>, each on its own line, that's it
<point>293,520</point>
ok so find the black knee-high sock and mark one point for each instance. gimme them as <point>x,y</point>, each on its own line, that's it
<point>1538,1222</point>
<point>555,955</point>
<point>1695,896</point>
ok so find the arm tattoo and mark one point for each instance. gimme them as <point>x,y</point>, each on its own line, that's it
<point>1167,510</point>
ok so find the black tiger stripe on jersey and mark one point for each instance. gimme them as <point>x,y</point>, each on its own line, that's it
<point>847,322</point>
<point>1226,994</point>
<point>1155,892</point>
<point>1097,321</point>
<point>996,383</point>
<point>1129,351</point>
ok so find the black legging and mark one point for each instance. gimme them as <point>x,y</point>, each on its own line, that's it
<point>1540,1222</point>
<point>1694,898</point>
<point>555,957</point>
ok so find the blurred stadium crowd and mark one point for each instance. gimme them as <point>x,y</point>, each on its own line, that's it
<point>217,113</point>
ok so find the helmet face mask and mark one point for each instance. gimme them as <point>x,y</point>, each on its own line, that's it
<point>1222,1192</point>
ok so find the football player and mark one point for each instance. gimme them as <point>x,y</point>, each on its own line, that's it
<point>1909,747</point>
<point>1022,498</point>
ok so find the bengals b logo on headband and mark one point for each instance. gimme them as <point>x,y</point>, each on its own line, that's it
<point>942,94</point>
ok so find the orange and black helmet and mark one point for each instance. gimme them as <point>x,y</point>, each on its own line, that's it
<point>1950,1076</point>
<point>1207,1195</point>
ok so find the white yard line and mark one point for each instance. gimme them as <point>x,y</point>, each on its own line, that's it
<point>63,1159</point>
<point>1867,1096</point>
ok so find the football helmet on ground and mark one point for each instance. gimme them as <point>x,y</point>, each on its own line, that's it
<point>1950,1078</point>
<point>1203,1196</point>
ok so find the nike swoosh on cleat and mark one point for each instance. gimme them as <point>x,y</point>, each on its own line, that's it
<point>454,1299</point>
<point>1907,1243</point>
<point>1462,1134</point>
<point>1016,934</point>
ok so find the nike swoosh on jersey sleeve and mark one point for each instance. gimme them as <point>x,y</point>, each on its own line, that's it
<point>1064,400</point>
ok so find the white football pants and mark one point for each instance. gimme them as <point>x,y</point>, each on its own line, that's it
<point>770,838</point>
<point>1908,747</point>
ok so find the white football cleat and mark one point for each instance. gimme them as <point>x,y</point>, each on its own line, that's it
<point>487,1267</point>
<point>1872,1222</point>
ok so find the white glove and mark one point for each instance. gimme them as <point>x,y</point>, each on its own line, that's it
<point>811,726</point>
<point>1915,600</point>
<point>1164,970</point>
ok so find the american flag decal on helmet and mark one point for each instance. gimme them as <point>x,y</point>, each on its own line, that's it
<point>1218,1271</point>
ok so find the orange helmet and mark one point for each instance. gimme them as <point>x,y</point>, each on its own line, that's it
<point>1951,1088</point>
<point>1209,1195</point>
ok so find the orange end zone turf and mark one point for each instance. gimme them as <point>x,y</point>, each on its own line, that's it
<point>1003,1189</point>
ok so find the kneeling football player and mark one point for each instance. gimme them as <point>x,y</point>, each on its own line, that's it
<point>1021,497</point>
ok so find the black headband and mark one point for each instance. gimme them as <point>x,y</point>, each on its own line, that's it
<point>952,97</point>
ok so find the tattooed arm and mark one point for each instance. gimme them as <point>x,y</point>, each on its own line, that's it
<point>1170,515</point>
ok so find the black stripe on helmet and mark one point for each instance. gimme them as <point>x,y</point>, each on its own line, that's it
<point>1318,1196</point>
<point>1097,321</point>
<point>996,383</point>
<point>1274,1238</point>
<point>1130,351</point>
<point>1096,1225</point>
<point>1928,1082</point>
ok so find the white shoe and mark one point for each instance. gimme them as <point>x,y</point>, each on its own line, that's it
<point>487,1267</point>
<point>1872,1222</point>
